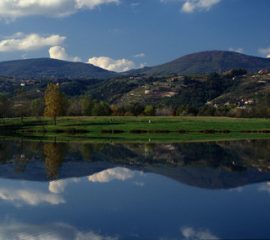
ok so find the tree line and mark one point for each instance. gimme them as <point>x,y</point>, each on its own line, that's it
<point>54,104</point>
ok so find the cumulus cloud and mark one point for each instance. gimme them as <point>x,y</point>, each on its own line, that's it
<point>190,6</point>
<point>60,53</point>
<point>265,52</point>
<point>109,175</point>
<point>55,231</point>
<point>29,197</point>
<point>190,233</point>
<point>30,42</point>
<point>239,50</point>
<point>119,65</point>
<point>11,10</point>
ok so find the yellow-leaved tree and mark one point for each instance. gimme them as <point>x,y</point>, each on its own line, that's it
<point>54,154</point>
<point>54,101</point>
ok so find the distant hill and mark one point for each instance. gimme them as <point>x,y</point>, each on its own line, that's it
<point>196,63</point>
<point>51,68</point>
<point>207,62</point>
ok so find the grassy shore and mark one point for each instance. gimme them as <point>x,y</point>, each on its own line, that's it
<point>180,129</point>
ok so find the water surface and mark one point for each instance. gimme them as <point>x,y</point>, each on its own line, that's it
<point>134,191</point>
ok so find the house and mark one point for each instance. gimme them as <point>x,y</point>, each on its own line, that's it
<point>263,72</point>
<point>176,78</point>
<point>249,102</point>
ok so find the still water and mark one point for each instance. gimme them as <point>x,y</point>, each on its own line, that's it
<point>72,191</point>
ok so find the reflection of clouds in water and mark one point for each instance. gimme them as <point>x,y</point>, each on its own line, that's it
<point>238,189</point>
<point>108,175</point>
<point>29,197</point>
<point>118,173</point>
<point>139,184</point>
<point>19,231</point>
<point>58,186</point>
<point>265,187</point>
<point>191,233</point>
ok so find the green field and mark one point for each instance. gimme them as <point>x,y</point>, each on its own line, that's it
<point>138,128</point>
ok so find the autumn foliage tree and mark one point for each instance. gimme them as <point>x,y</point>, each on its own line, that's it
<point>53,159</point>
<point>54,101</point>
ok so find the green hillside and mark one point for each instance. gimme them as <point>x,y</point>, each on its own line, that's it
<point>46,68</point>
<point>208,62</point>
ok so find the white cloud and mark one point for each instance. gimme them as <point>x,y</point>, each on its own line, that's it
<point>55,231</point>
<point>60,53</point>
<point>139,55</point>
<point>12,9</point>
<point>108,175</point>
<point>190,233</point>
<point>29,197</point>
<point>190,6</point>
<point>265,187</point>
<point>120,65</point>
<point>93,3</point>
<point>58,186</point>
<point>265,51</point>
<point>239,50</point>
<point>22,42</point>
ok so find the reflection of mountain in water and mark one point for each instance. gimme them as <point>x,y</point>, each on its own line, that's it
<point>207,165</point>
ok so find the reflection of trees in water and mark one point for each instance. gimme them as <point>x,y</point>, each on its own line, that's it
<point>86,150</point>
<point>19,152</point>
<point>25,152</point>
<point>5,152</point>
<point>253,153</point>
<point>54,154</point>
<point>233,156</point>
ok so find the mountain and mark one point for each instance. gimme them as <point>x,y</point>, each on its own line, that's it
<point>51,68</point>
<point>207,62</point>
<point>196,63</point>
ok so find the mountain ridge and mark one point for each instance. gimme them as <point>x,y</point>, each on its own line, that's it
<point>207,62</point>
<point>39,68</point>
<point>192,64</point>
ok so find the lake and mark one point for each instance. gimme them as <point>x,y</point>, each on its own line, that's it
<point>76,191</point>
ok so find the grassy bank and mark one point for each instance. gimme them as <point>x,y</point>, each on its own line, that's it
<point>139,128</point>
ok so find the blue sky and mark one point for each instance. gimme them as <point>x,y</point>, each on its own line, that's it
<point>123,34</point>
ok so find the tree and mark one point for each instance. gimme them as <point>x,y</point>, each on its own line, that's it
<point>115,110</point>
<point>54,101</point>
<point>235,73</point>
<point>86,105</point>
<point>74,107</point>
<point>149,110</point>
<point>4,106</point>
<point>37,107</point>
<point>101,109</point>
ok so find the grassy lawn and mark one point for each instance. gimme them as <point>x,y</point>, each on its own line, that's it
<point>140,128</point>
